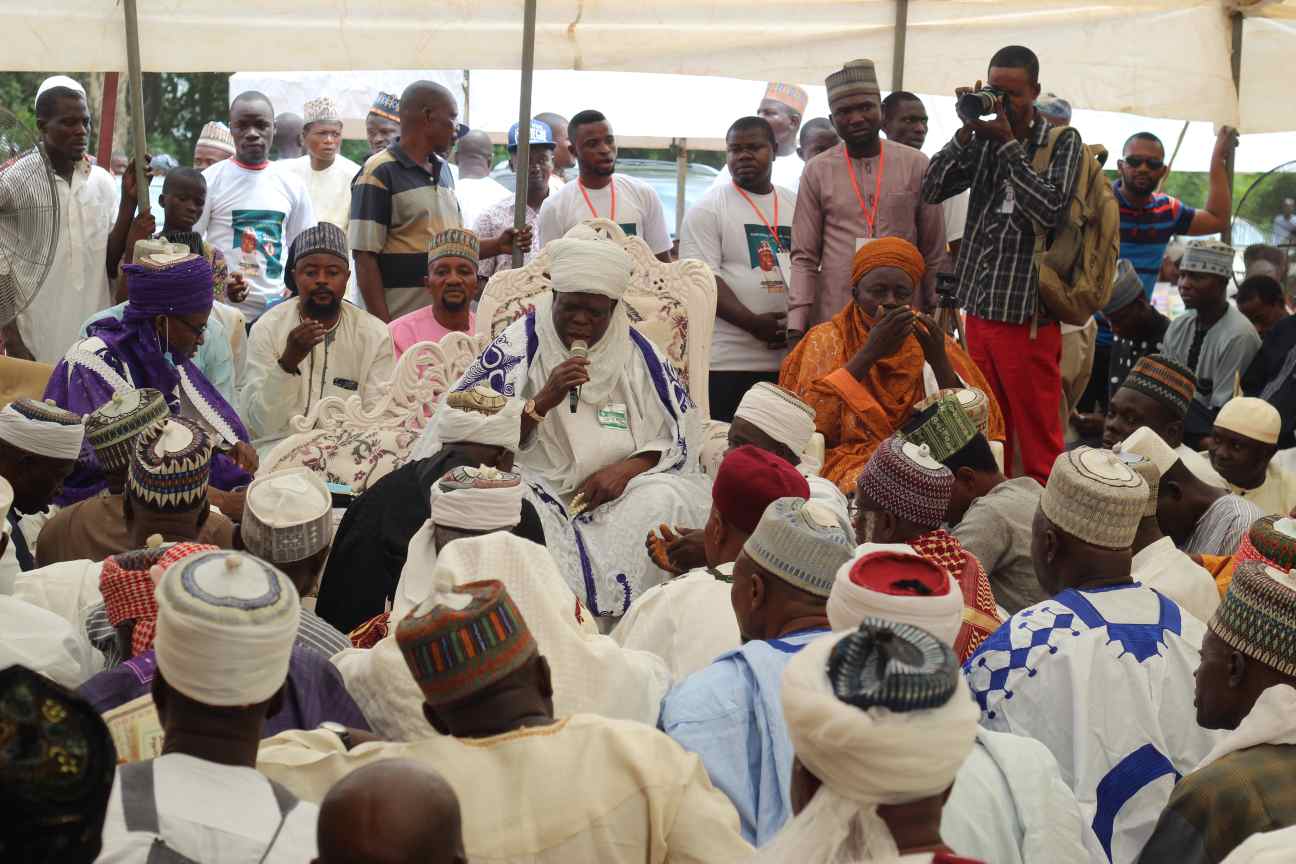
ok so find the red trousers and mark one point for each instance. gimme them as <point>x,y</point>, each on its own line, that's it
<point>1026,377</point>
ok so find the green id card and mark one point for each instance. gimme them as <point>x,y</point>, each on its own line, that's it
<point>613,416</point>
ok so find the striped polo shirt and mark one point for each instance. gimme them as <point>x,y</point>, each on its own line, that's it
<point>397,206</point>
<point>1146,231</point>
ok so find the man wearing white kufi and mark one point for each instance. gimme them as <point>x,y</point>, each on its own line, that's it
<point>877,716</point>
<point>39,446</point>
<point>1101,673</point>
<point>1009,804</point>
<point>609,437</point>
<point>472,427</point>
<point>226,623</point>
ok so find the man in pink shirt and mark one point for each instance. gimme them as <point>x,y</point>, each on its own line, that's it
<point>863,188</point>
<point>452,284</point>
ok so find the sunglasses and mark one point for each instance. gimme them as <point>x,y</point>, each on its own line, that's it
<point>1140,161</point>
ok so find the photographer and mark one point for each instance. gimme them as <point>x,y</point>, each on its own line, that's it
<point>996,276</point>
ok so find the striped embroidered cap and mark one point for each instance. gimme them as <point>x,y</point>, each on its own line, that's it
<point>216,134</point>
<point>387,106</point>
<point>801,542</point>
<point>905,480</point>
<point>459,642</point>
<point>886,664</point>
<point>857,76</point>
<point>946,431</point>
<point>45,411</point>
<point>1208,256</point>
<point>1258,615</point>
<point>169,472</point>
<point>112,428</point>
<point>454,243</point>
<point>1165,380</point>
<point>1274,537</point>
<point>790,95</point>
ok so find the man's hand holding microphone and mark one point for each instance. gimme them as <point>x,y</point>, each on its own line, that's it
<point>565,381</point>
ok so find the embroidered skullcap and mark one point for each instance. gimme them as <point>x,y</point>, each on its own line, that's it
<point>322,109</point>
<point>457,643</point>
<point>287,516</point>
<point>888,252</point>
<point>973,402</point>
<point>42,428</point>
<point>216,135</point>
<point>387,106</point>
<point>1054,107</point>
<point>57,764</point>
<point>454,243</point>
<point>1274,537</point>
<point>59,81</point>
<point>323,238</point>
<point>904,479</point>
<point>477,499</point>
<point>1208,256</point>
<point>1151,474</point>
<point>589,266</point>
<point>749,480</point>
<point>169,471</point>
<point>226,626</point>
<point>479,416</point>
<point>1126,289</point>
<point>892,582</point>
<point>802,543</point>
<point>112,428</point>
<point>1095,497</point>
<point>1151,446</point>
<point>790,95</point>
<point>168,284</point>
<point>857,76</point>
<point>1251,418</point>
<point>1258,615</point>
<point>1167,381</point>
<point>779,414</point>
<point>127,584</point>
<point>946,431</point>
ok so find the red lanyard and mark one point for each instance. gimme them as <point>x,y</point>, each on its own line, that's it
<point>773,229</point>
<point>590,204</point>
<point>871,219</point>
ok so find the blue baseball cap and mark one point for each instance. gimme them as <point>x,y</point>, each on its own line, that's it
<point>540,135</point>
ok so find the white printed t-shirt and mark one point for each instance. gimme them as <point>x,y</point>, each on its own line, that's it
<point>253,215</point>
<point>726,233</point>
<point>638,211</point>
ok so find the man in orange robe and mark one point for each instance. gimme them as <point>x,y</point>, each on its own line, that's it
<point>864,369</point>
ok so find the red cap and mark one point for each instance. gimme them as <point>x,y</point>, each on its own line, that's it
<point>900,574</point>
<point>749,480</point>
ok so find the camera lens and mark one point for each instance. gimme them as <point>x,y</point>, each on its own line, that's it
<point>978,103</point>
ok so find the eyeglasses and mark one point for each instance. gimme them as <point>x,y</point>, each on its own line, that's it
<point>196,331</point>
<point>1140,161</point>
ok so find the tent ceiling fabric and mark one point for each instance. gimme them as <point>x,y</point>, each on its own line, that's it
<point>1083,44</point>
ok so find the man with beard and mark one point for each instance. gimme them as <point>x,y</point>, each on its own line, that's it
<point>862,189</point>
<point>314,346</point>
<point>452,284</point>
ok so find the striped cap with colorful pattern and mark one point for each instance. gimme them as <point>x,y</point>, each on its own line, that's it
<point>457,643</point>
<point>1258,615</point>
<point>1168,382</point>
<point>169,470</point>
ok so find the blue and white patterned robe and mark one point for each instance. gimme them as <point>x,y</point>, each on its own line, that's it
<point>1104,679</point>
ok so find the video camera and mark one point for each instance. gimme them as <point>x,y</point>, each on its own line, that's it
<point>980,103</point>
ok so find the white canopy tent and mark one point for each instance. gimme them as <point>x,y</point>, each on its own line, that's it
<point>1159,58</point>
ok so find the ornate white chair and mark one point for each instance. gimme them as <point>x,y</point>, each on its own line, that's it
<point>346,444</point>
<point>672,304</point>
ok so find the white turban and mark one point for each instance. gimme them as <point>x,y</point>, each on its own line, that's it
<point>477,499</point>
<point>589,266</point>
<point>42,437</point>
<point>501,429</point>
<point>779,414</point>
<point>865,757</point>
<point>855,596</point>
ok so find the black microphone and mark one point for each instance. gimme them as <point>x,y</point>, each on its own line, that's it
<point>579,348</point>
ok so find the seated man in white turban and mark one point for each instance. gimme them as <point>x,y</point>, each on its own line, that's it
<point>39,445</point>
<point>1101,673</point>
<point>881,723</point>
<point>473,427</point>
<point>609,437</point>
<point>226,623</point>
<point>1009,804</point>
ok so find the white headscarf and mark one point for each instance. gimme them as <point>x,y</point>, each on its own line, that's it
<point>501,429</point>
<point>493,507</point>
<point>42,437</point>
<point>779,414</point>
<point>864,758</point>
<point>850,603</point>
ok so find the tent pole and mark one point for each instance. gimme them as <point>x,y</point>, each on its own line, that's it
<point>898,50</point>
<point>107,119</point>
<point>136,103</point>
<point>1237,20</point>
<point>522,162</point>
<point>681,182</point>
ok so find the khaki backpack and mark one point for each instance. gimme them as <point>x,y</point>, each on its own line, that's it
<point>1077,257</point>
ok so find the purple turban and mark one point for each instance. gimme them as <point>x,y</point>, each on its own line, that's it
<point>180,288</point>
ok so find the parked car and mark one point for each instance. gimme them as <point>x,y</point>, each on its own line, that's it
<point>657,173</point>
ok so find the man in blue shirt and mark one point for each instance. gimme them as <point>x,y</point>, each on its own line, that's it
<point>729,713</point>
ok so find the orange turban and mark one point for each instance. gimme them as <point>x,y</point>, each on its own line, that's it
<point>888,252</point>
